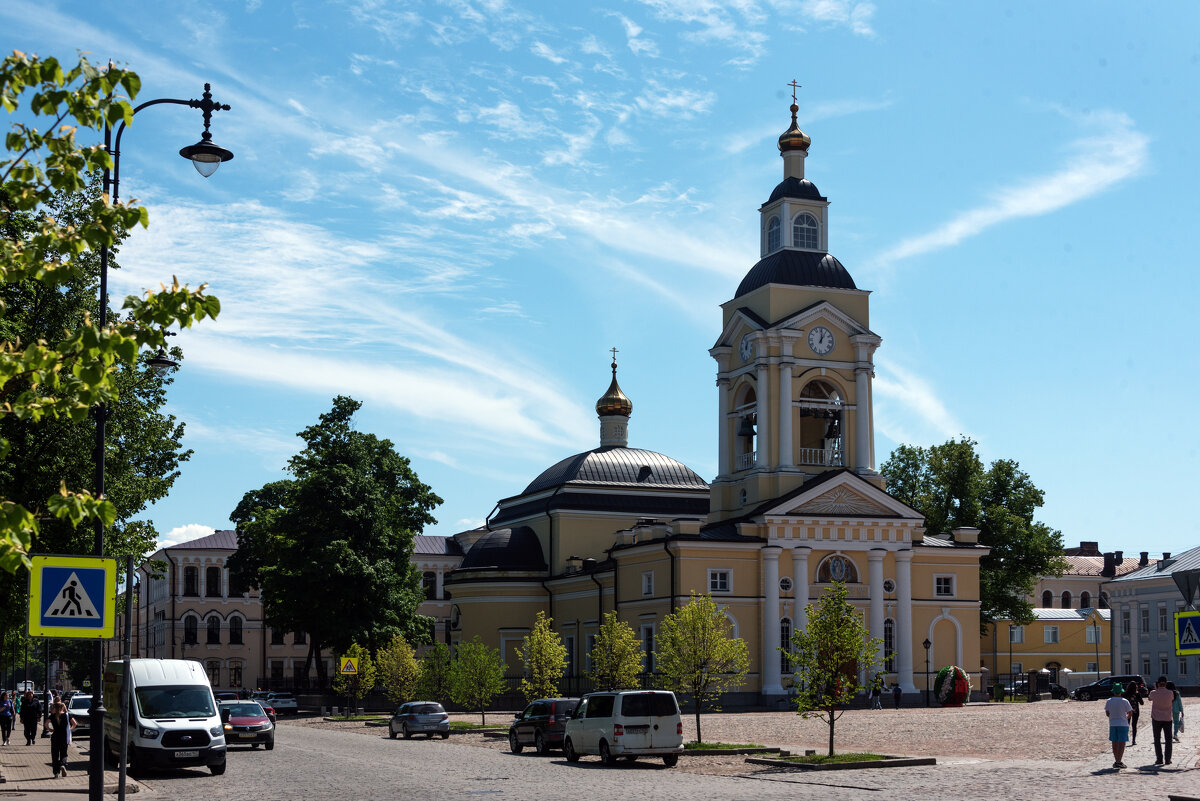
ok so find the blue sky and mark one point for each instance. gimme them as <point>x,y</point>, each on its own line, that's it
<point>452,210</point>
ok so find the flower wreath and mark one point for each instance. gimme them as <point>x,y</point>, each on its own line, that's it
<point>951,687</point>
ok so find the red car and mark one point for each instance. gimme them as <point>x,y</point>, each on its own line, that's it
<point>246,723</point>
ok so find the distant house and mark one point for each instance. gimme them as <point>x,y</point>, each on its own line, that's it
<point>1144,603</point>
<point>1059,640</point>
<point>435,557</point>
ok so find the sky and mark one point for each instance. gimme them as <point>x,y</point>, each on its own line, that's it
<point>451,210</point>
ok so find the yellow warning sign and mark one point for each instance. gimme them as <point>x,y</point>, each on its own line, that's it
<point>349,666</point>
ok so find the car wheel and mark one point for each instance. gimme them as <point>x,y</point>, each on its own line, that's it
<point>606,757</point>
<point>539,742</point>
<point>445,735</point>
<point>1082,696</point>
<point>407,733</point>
<point>218,769</point>
<point>271,744</point>
<point>391,732</point>
<point>569,751</point>
<point>670,760</point>
<point>514,744</point>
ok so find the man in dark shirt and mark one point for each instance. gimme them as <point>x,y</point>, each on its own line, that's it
<point>31,716</point>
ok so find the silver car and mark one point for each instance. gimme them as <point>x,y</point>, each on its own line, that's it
<point>419,717</point>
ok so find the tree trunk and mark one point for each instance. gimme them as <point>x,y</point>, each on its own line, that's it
<point>832,721</point>
<point>321,677</point>
<point>482,716</point>
<point>699,739</point>
<point>308,660</point>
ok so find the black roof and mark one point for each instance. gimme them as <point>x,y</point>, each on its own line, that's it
<point>625,503</point>
<point>797,268</point>
<point>627,466</point>
<point>506,549</point>
<point>796,187</point>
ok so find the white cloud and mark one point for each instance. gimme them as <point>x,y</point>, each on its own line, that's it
<point>1115,152</point>
<point>739,142</point>
<point>856,16</point>
<point>182,534</point>
<point>659,100</point>
<point>718,22</point>
<point>908,409</point>
<point>543,50</point>
<point>633,37</point>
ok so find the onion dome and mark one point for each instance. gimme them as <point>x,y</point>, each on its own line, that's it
<point>794,138</point>
<point>614,401</point>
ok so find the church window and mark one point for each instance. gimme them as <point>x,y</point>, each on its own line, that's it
<point>190,623</point>
<point>746,433</point>
<point>837,568</point>
<point>889,645</point>
<point>212,582</point>
<point>213,668</point>
<point>1066,599</point>
<point>191,580</point>
<point>943,586</point>
<point>804,231</point>
<point>648,646</point>
<point>235,630</point>
<point>785,652</point>
<point>1085,600</point>
<point>648,583</point>
<point>1047,599</point>
<point>719,581</point>
<point>214,630</point>
<point>773,235</point>
<point>821,425</point>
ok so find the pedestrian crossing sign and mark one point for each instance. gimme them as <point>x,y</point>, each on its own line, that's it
<point>73,597</point>
<point>349,666</point>
<point>1187,633</point>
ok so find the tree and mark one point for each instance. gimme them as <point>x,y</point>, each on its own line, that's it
<point>330,549</point>
<point>76,370</point>
<point>616,657</point>
<point>356,685</point>
<point>948,484</point>
<point>436,670</point>
<point>544,657</point>
<point>476,676</point>
<point>398,670</point>
<point>827,656</point>
<point>697,654</point>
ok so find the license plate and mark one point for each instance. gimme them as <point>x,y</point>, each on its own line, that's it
<point>247,735</point>
<point>186,754</point>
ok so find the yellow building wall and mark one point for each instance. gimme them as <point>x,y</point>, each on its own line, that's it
<point>1072,651</point>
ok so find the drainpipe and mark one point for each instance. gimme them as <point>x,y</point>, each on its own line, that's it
<point>599,599</point>
<point>550,540</point>
<point>667,548</point>
<point>173,573</point>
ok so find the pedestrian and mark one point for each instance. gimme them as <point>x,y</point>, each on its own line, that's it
<point>896,694</point>
<point>1161,701</point>
<point>61,724</point>
<point>31,716</point>
<point>1133,694</point>
<point>877,692</point>
<point>1118,710</point>
<point>7,713</point>
<point>1176,710</point>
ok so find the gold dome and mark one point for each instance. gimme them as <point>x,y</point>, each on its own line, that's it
<point>794,138</point>
<point>614,401</point>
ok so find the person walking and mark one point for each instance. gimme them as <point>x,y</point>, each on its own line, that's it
<point>61,724</point>
<point>877,692</point>
<point>7,714</point>
<point>31,716</point>
<point>1133,694</point>
<point>1118,710</point>
<point>897,694</point>
<point>1176,710</point>
<point>1161,701</point>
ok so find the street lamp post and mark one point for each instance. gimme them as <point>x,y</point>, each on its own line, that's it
<point>927,645</point>
<point>206,155</point>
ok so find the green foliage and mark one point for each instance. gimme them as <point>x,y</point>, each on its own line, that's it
<point>398,670</point>
<point>331,548</point>
<point>356,685</point>
<point>827,656</point>
<point>436,670</point>
<point>59,374</point>
<point>949,485</point>
<point>544,657</point>
<point>616,657</point>
<point>697,654</point>
<point>476,676</point>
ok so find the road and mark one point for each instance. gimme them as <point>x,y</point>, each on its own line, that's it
<point>313,764</point>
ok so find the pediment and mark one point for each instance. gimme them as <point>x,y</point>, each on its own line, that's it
<point>841,501</point>
<point>742,321</point>
<point>823,312</point>
<point>844,495</point>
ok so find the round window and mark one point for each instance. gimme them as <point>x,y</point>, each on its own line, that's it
<point>889,585</point>
<point>785,584</point>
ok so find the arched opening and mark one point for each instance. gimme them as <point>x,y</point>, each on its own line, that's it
<point>191,580</point>
<point>214,630</point>
<point>212,582</point>
<point>1066,599</point>
<point>889,645</point>
<point>785,641</point>
<point>805,233</point>
<point>190,625</point>
<point>1047,599</point>
<point>1085,600</point>
<point>773,235</point>
<point>837,568</point>
<point>746,433</point>
<point>822,412</point>
<point>1103,600</point>
<point>235,630</point>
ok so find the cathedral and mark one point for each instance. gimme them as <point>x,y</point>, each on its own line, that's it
<point>795,506</point>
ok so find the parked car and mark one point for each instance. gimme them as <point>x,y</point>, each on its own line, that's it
<point>284,703</point>
<point>625,724</point>
<point>541,724</point>
<point>1103,688</point>
<point>270,710</point>
<point>78,708</point>
<point>226,695</point>
<point>419,717</point>
<point>246,723</point>
<point>1059,692</point>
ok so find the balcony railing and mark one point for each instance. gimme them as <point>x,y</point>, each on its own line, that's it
<point>826,457</point>
<point>746,460</point>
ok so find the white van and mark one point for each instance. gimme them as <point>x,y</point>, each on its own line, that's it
<point>174,721</point>
<point>625,724</point>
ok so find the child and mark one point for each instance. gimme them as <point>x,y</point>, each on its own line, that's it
<point>61,724</point>
<point>1118,711</point>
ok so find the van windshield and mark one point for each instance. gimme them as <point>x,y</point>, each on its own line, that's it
<point>187,701</point>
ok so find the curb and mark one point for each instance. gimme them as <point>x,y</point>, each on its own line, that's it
<point>898,762</point>
<point>700,752</point>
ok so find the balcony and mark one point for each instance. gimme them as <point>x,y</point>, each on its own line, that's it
<point>745,461</point>
<point>824,457</point>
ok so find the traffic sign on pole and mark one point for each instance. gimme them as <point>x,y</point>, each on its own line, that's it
<point>1187,633</point>
<point>349,666</point>
<point>73,597</point>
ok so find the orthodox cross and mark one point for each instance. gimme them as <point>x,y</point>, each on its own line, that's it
<point>794,86</point>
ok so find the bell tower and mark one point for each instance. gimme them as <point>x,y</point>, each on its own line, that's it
<point>795,358</point>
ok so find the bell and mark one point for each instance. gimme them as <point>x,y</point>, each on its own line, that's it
<point>745,428</point>
<point>832,431</point>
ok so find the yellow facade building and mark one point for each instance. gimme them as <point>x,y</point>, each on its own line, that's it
<point>1058,640</point>
<point>796,504</point>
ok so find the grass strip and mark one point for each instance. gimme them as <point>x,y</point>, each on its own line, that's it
<point>825,759</point>
<point>693,746</point>
<point>462,725</point>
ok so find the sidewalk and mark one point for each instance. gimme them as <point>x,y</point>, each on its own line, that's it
<point>26,769</point>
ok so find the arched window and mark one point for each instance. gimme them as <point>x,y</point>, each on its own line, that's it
<point>837,568</point>
<point>804,231</point>
<point>1066,599</point>
<point>191,580</point>
<point>429,582</point>
<point>214,630</point>
<point>212,582</point>
<point>745,451</point>
<point>820,425</point>
<point>1047,599</point>
<point>889,645</point>
<point>773,235</point>
<point>235,630</point>
<point>785,641</point>
<point>1085,600</point>
<point>213,668</point>
<point>190,624</point>
<point>1103,600</point>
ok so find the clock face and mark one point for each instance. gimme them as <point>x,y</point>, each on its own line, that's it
<point>746,349</point>
<point>820,339</point>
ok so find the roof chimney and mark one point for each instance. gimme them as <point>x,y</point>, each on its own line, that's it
<point>1166,555</point>
<point>1118,558</point>
<point>1145,560</point>
<point>1110,566</point>
<point>1089,548</point>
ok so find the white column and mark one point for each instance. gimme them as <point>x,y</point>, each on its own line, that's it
<point>785,223</point>
<point>438,585</point>
<point>1135,628</point>
<point>785,415</point>
<point>905,639</point>
<point>875,575</point>
<point>771,684</point>
<point>862,418</point>
<point>800,582</point>
<point>725,464</point>
<point>761,411</point>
